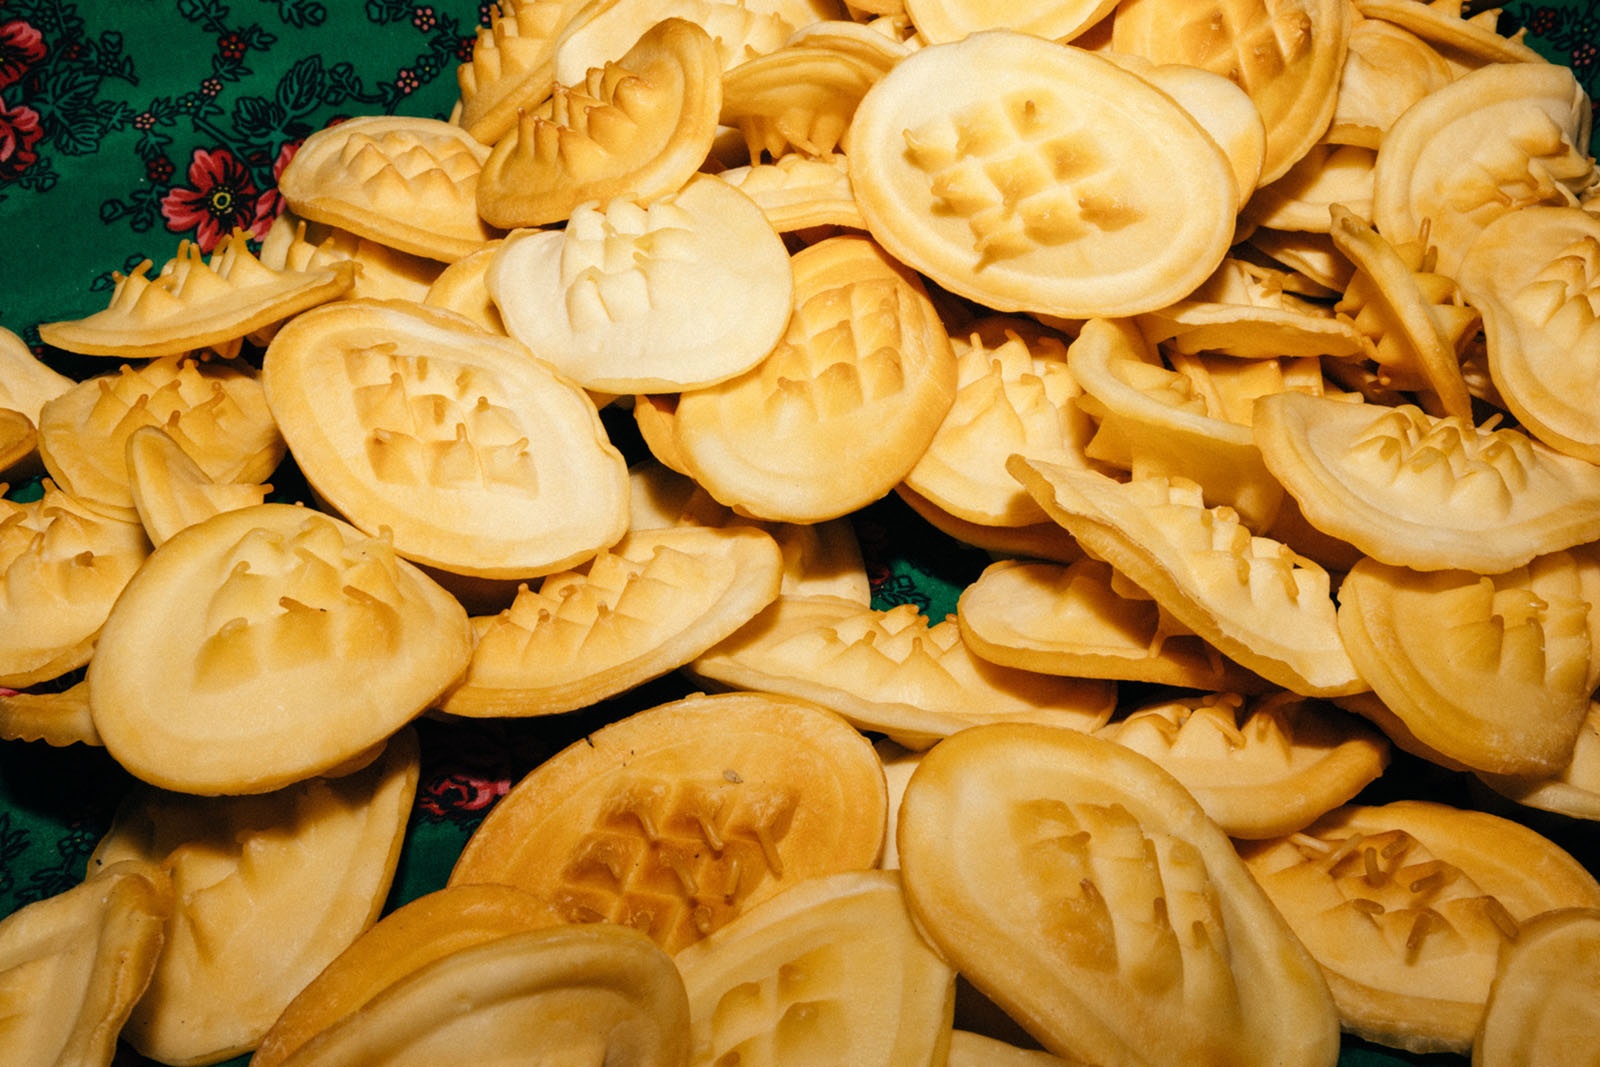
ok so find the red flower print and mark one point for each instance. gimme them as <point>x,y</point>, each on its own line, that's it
<point>285,153</point>
<point>19,133</point>
<point>407,82</point>
<point>222,197</point>
<point>1544,20</point>
<point>232,46</point>
<point>461,792</point>
<point>21,46</point>
<point>424,19</point>
<point>158,168</point>
<point>271,204</point>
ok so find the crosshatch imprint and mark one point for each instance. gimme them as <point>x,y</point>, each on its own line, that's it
<point>677,859</point>
<point>896,642</point>
<point>842,352</point>
<point>619,602</point>
<point>370,161</point>
<point>792,1016</point>
<point>431,423</point>
<point>298,598</point>
<point>1023,171</point>
<point>1247,41</point>
<point>1126,903</point>
<point>610,259</point>
<point>194,409</point>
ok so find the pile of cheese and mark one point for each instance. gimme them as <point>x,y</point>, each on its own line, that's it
<point>1254,342</point>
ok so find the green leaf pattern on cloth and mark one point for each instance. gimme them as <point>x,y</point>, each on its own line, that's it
<point>128,127</point>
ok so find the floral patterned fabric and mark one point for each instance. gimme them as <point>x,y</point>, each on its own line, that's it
<point>127,126</point>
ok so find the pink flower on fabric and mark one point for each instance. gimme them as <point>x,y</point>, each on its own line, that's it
<point>461,792</point>
<point>285,153</point>
<point>19,133</point>
<point>271,203</point>
<point>221,196</point>
<point>21,46</point>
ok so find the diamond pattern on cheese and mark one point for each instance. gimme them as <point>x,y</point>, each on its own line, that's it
<point>408,183</point>
<point>644,607</point>
<point>300,644</point>
<point>1413,490</point>
<point>649,296</point>
<point>990,165</point>
<point>196,303</point>
<point>892,672</point>
<point>215,411</point>
<point>1255,599</point>
<point>476,457</point>
<point>1287,54</point>
<point>62,565</point>
<point>844,405</point>
<point>676,819</point>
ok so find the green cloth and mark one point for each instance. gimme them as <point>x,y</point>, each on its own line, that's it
<point>133,124</point>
